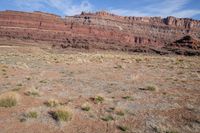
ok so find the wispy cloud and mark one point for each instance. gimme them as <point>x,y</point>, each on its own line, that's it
<point>66,7</point>
<point>126,12</point>
<point>160,8</point>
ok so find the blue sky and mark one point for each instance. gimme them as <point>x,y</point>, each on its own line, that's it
<point>163,8</point>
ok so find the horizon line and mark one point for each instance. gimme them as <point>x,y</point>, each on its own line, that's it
<point>97,11</point>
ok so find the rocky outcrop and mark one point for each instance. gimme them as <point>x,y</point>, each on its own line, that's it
<point>185,46</point>
<point>100,30</point>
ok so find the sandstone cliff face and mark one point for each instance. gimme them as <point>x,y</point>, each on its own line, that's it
<point>100,30</point>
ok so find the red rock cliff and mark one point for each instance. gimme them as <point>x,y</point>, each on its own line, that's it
<point>101,30</point>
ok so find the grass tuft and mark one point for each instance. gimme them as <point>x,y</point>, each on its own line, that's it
<point>138,60</point>
<point>126,97</point>
<point>122,128</point>
<point>31,114</point>
<point>171,132</point>
<point>28,78</point>
<point>52,103</point>
<point>43,81</point>
<point>85,107</point>
<point>120,113</point>
<point>149,88</point>
<point>19,85</point>
<point>119,67</point>
<point>97,99</point>
<point>8,100</point>
<point>61,115</point>
<point>16,89</point>
<point>3,70</point>
<point>32,92</point>
<point>107,118</point>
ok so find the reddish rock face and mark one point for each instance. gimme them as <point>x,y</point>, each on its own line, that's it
<point>185,46</point>
<point>100,30</point>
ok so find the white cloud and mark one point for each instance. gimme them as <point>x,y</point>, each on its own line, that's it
<point>163,9</point>
<point>125,12</point>
<point>67,7</point>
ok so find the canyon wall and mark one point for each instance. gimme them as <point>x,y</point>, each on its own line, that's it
<point>102,30</point>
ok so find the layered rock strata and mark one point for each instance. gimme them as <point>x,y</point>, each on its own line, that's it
<point>102,30</point>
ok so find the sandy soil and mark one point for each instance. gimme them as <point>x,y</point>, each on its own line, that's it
<point>74,79</point>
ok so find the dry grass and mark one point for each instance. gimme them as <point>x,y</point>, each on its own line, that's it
<point>9,99</point>
<point>19,85</point>
<point>52,103</point>
<point>43,81</point>
<point>127,97</point>
<point>162,129</point>
<point>32,92</point>
<point>86,107</point>
<point>97,99</point>
<point>17,89</point>
<point>120,112</point>
<point>119,66</point>
<point>149,88</point>
<point>122,128</point>
<point>108,118</point>
<point>31,114</point>
<point>112,90</point>
<point>61,114</point>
